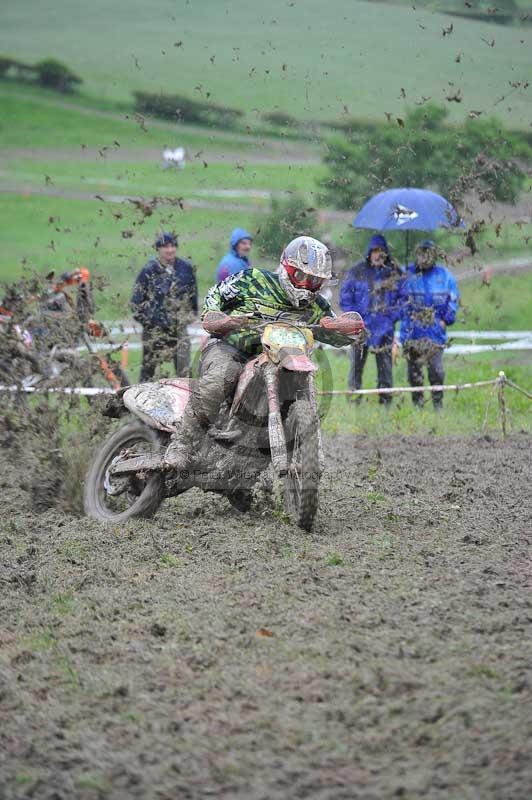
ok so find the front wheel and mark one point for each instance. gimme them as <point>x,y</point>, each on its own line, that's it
<point>117,499</point>
<point>302,479</point>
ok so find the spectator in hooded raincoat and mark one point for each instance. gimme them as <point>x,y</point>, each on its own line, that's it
<point>164,301</point>
<point>372,287</point>
<point>429,302</point>
<point>237,258</point>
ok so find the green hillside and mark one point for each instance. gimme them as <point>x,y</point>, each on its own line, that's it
<point>310,59</point>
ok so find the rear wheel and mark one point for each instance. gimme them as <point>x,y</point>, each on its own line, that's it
<point>301,482</point>
<point>117,499</point>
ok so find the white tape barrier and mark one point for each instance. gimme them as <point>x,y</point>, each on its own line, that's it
<point>511,340</point>
<point>86,391</point>
<point>443,387</point>
<point>471,349</point>
<point>458,334</point>
<point>500,381</point>
<point>89,391</point>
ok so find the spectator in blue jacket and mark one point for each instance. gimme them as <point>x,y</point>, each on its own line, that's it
<point>237,258</point>
<point>371,287</point>
<point>165,299</point>
<point>429,302</point>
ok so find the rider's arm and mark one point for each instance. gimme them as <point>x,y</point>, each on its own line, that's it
<point>322,334</point>
<point>222,297</point>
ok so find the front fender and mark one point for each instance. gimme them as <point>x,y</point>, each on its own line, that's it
<point>299,362</point>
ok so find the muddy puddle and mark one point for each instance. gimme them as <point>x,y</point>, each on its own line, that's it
<point>206,653</point>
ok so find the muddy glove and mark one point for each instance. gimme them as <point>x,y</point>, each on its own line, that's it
<point>221,324</point>
<point>349,324</point>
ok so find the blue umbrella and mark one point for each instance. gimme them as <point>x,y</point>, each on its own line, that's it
<point>407,210</point>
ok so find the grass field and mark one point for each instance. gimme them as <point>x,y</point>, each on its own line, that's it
<point>34,117</point>
<point>352,57</point>
<point>55,159</point>
<point>148,179</point>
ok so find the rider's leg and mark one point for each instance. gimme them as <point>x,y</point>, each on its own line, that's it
<point>220,368</point>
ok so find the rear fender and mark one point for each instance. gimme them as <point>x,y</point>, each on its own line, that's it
<point>159,405</point>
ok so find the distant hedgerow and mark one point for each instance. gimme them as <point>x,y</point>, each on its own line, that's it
<point>55,75</point>
<point>50,72</point>
<point>179,108</point>
<point>280,119</point>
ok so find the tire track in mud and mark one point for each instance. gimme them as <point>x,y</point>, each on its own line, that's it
<point>387,654</point>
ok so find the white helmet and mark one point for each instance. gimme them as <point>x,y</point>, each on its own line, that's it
<point>305,264</point>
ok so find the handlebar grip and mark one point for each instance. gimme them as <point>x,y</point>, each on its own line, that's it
<point>350,323</point>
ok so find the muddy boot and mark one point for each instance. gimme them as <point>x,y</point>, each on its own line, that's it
<point>183,445</point>
<point>231,433</point>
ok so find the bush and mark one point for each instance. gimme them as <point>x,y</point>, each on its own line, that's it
<point>176,107</point>
<point>55,75</point>
<point>422,150</point>
<point>287,219</point>
<point>280,119</point>
<point>11,68</point>
<point>5,65</point>
<point>50,73</point>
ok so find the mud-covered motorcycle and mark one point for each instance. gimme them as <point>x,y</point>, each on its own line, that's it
<point>272,419</point>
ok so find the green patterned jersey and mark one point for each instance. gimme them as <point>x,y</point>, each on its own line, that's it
<point>258,291</point>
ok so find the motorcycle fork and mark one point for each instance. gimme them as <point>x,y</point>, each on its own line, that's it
<point>314,404</point>
<point>278,449</point>
<point>309,393</point>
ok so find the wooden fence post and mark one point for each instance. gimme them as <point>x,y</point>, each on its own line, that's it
<point>501,382</point>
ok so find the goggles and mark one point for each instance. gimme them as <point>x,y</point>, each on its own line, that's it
<point>302,280</point>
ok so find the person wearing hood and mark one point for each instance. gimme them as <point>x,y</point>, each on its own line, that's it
<point>371,287</point>
<point>429,302</point>
<point>237,258</point>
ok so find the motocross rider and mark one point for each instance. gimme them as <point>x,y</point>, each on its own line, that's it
<point>291,294</point>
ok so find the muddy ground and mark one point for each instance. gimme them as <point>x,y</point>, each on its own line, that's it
<point>209,654</point>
